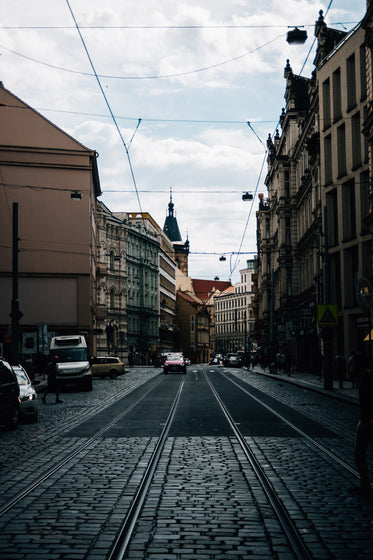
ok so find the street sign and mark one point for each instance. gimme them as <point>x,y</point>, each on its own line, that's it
<point>327,315</point>
<point>369,337</point>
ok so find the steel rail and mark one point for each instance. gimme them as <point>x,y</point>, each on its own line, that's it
<point>43,477</point>
<point>121,543</point>
<point>304,435</point>
<point>294,539</point>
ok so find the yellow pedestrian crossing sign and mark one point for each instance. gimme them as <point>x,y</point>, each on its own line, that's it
<point>369,337</point>
<point>327,315</point>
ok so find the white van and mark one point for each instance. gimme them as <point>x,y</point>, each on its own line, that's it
<point>73,360</point>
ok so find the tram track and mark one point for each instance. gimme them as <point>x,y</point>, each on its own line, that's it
<point>295,540</point>
<point>312,441</point>
<point>159,450</point>
<point>294,537</point>
<point>119,548</point>
<point>66,460</point>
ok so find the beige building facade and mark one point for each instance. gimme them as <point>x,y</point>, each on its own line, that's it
<point>313,241</point>
<point>234,314</point>
<point>54,181</point>
<point>344,164</point>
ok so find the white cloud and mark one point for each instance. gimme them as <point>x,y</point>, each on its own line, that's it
<point>168,150</point>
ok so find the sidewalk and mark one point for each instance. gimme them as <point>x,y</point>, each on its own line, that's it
<point>309,381</point>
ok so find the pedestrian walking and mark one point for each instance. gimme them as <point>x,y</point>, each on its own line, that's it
<point>53,383</point>
<point>340,368</point>
<point>364,434</point>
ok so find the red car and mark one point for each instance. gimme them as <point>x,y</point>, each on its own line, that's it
<point>174,362</point>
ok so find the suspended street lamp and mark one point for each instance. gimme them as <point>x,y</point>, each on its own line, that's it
<point>296,36</point>
<point>247,196</point>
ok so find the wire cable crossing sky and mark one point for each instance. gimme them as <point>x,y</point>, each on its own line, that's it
<point>191,92</point>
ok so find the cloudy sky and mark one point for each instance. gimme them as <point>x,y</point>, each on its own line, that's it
<point>169,87</point>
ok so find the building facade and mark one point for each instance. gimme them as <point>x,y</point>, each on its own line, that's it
<point>136,308</point>
<point>193,322</point>
<point>167,295</point>
<point>234,314</point>
<point>344,170</point>
<point>290,230</point>
<point>367,25</point>
<point>53,181</point>
<point>313,246</point>
<point>142,264</point>
<point>111,315</point>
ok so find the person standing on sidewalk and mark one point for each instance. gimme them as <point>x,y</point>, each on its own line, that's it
<point>53,384</point>
<point>364,434</point>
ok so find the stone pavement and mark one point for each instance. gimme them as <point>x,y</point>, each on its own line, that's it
<point>305,380</point>
<point>316,384</point>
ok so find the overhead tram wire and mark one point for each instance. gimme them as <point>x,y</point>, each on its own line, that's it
<point>150,77</point>
<point>251,208</point>
<point>108,106</point>
<point>314,40</point>
<point>153,27</point>
<point>176,27</point>
<point>265,155</point>
<point>252,203</point>
<point>154,119</point>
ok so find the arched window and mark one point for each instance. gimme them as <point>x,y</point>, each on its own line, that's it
<point>112,298</point>
<point>111,260</point>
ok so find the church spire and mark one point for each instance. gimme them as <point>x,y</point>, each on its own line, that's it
<point>171,227</point>
<point>171,205</point>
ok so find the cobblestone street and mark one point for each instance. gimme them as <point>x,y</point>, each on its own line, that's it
<point>204,503</point>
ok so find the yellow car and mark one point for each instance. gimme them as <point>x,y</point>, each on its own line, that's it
<point>107,366</point>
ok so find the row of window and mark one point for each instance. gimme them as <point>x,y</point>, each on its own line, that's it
<point>138,299</point>
<point>145,251</point>
<point>236,315</point>
<point>232,303</point>
<point>332,89</point>
<point>341,202</point>
<point>150,279</point>
<point>134,326</point>
<point>355,143</point>
<point>229,328</point>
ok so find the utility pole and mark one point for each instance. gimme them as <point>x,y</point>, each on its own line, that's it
<point>15,312</point>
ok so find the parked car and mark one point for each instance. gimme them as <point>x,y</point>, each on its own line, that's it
<point>232,360</point>
<point>107,366</point>
<point>174,362</point>
<point>9,396</point>
<point>27,394</point>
